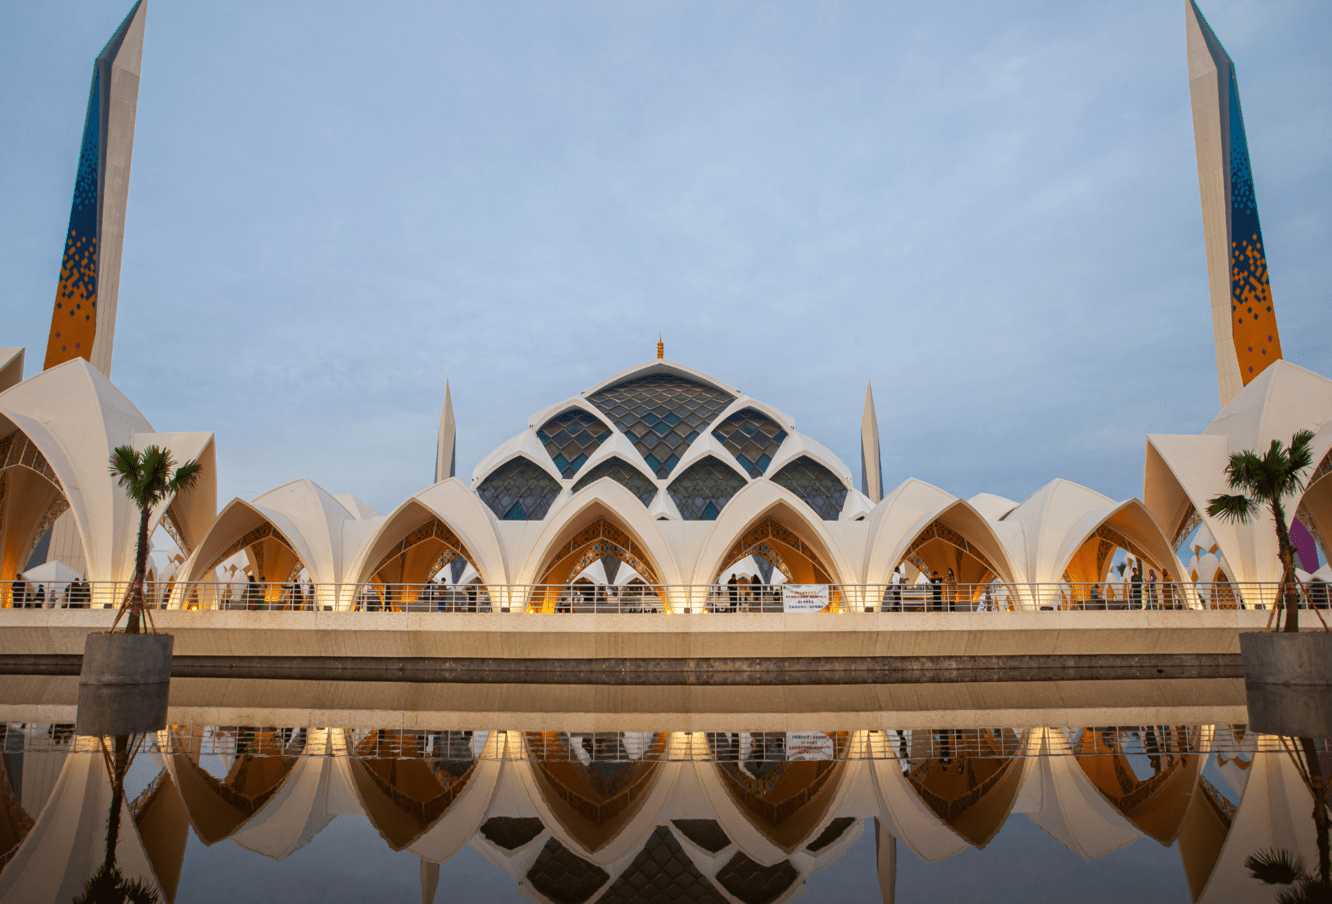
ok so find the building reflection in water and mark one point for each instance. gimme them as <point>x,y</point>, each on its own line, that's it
<point>629,816</point>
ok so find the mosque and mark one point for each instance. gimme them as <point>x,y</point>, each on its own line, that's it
<point>656,484</point>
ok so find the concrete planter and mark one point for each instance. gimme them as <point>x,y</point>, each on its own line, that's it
<point>122,709</point>
<point>1287,659</point>
<point>126,659</point>
<point>1288,682</point>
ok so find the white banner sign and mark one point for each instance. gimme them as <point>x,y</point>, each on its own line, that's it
<point>808,745</point>
<point>804,597</point>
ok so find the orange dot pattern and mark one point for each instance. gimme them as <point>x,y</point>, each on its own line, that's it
<point>1253,325</point>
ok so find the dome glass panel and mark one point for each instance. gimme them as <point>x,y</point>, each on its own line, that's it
<point>519,490</point>
<point>752,437</point>
<point>624,473</point>
<point>570,437</point>
<point>821,489</point>
<point>703,490</point>
<point>661,414</point>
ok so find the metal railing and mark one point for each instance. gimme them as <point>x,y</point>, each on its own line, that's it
<point>659,599</point>
<point>558,744</point>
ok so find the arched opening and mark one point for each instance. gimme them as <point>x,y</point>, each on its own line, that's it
<point>1147,773</point>
<point>780,547</point>
<point>408,780</point>
<point>781,791</point>
<point>256,761</point>
<point>1123,564</point>
<point>594,784</point>
<point>260,568</point>
<point>936,554</point>
<point>598,566</point>
<point>968,778</point>
<point>31,499</point>
<point>428,569</point>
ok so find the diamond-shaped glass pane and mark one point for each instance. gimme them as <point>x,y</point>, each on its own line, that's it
<point>519,490</point>
<point>570,437</point>
<point>703,490</point>
<point>662,872</point>
<point>620,470</point>
<point>661,414</point>
<point>820,488</point>
<point>564,877</point>
<point>752,437</point>
<point>754,883</point>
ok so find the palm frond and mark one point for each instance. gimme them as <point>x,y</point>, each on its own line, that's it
<point>1231,508</point>
<point>1244,471</point>
<point>124,465</point>
<point>1274,867</point>
<point>184,477</point>
<point>1299,459</point>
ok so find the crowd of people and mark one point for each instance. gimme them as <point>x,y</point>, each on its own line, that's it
<point>74,595</point>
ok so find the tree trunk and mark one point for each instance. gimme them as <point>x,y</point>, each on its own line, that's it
<point>1286,551</point>
<point>120,762</point>
<point>136,602</point>
<point>1320,814</point>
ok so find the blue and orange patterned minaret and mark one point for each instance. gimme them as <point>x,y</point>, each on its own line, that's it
<point>83,324</point>
<point>1243,319</point>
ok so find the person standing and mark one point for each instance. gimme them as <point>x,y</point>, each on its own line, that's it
<point>1135,594</point>
<point>950,591</point>
<point>936,592</point>
<point>1151,588</point>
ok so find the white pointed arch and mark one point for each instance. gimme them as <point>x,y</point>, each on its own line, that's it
<point>603,499</point>
<point>916,507</point>
<point>619,837</point>
<point>73,416</point>
<point>755,503</point>
<point>458,510</point>
<point>1133,522</point>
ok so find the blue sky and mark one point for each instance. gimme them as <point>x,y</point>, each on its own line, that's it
<point>991,210</point>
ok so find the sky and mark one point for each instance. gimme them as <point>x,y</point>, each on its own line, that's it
<point>989,210</point>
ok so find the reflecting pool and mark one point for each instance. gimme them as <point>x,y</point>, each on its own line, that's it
<point>272,797</point>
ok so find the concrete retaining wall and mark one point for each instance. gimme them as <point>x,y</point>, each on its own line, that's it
<point>55,632</point>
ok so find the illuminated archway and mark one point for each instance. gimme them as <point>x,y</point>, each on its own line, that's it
<point>407,780</point>
<point>964,777</point>
<point>782,548</point>
<point>31,499</point>
<point>593,784</point>
<point>782,798</point>
<point>415,560</point>
<point>1154,803</point>
<point>600,540</point>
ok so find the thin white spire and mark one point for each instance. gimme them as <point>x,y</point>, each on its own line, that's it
<point>871,465</point>
<point>446,453</point>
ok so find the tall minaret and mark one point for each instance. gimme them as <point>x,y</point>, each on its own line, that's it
<point>871,465</point>
<point>885,862</point>
<point>446,453</point>
<point>83,324</point>
<point>1243,323</point>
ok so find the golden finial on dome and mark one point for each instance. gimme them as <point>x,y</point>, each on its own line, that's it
<point>661,348</point>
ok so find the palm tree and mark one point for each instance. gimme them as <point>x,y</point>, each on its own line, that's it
<point>1265,481</point>
<point>148,477</point>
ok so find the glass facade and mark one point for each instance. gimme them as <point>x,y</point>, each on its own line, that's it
<point>570,437</point>
<point>661,414</point>
<point>621,471</point>
<point>519,490</point>
<point>703,490</point>
<point>752,437</point>
<point>820,488</point>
